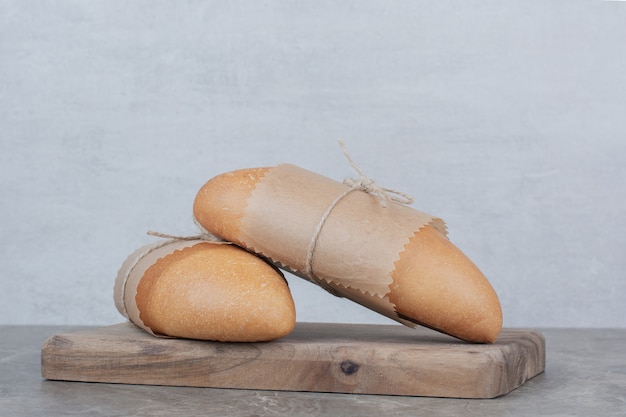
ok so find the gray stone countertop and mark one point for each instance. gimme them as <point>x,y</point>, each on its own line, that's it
<point>585,376</point>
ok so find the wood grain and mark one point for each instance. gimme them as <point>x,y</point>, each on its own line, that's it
<point>321,357</point>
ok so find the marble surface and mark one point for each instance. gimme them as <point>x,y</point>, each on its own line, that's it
<point>504,118</point>
<point>585,375</point>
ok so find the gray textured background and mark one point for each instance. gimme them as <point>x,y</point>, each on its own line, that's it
<point>507,119</point>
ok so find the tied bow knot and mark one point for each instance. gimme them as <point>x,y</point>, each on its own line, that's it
<point>364,183</point>
<point>385,194</point>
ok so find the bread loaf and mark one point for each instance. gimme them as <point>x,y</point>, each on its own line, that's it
<point>202,290</point>
<point>430,283</point>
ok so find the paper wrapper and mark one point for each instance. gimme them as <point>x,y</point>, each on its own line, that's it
<point>357,246</point>
<point>132,271</point>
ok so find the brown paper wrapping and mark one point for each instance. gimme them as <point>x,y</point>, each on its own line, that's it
<point>132,271</point>
<point>357,246</point>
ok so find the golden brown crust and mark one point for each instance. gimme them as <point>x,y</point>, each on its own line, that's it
<point>220,203</point>
<point>438,286</point>
<point>215,292</point>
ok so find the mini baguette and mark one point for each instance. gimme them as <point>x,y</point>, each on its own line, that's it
<point>207,291</point>
<point>434,283</point>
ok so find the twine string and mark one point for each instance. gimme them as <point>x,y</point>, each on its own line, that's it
<point>363,183</point>
<point>202,236</point>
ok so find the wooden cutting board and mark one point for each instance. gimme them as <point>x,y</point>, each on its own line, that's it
<point>321,357</point>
